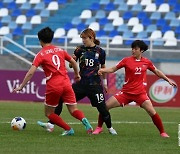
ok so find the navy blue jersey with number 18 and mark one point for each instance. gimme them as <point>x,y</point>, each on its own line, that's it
<point>90,60</point>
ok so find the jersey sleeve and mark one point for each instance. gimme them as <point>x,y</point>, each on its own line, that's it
<point>121,64</point>
<point>151,67</point>
<point>77,52</point>
<point>37,60</point>
<point>102,57</point>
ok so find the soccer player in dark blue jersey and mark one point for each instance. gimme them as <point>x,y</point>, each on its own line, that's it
<point>91,57</point>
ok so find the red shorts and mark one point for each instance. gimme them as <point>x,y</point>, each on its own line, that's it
<point>65,93</point>
<point>125,98</point>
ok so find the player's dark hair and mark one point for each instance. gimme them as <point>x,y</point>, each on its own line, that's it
<point>46,35</point>
<point>141,44</point>
<point>91,34</point>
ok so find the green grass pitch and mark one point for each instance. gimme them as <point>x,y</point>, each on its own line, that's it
<point>136,132</point>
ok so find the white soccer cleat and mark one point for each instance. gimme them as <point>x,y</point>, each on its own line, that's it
<point>112,131</point>
<point>48,126</point>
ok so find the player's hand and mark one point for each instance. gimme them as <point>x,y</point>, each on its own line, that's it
<point>106,88</point>
<point>100,71</point>
<point>17,89</point>
<point>77,78</point>
<point>74,57</point>
<point>172,83</point>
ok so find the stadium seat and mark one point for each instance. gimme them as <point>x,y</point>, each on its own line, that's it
<point>95,7</point>
<point>113,33</point>
<point>7,1</point>
<point>27,26</point>
<point>68,26</point>
<point>118,21</point>
<point>12,25</point>
<point>158,42</point>
<point>137,8</point>
<point>100,33</point>
<point>6,19</point>
<point>104,2</point>
<point>165,28</point>
<point>123,7</point>
<point>76,20</point>
<point>113,14</point>
<point>161,22</point>
<point>53,6</point>
<point>171,42</point>
<point>157,34</point>
<point>150,8</point>
<point>44,13</point>
<point>146,21</point>
<point>122,28</point>
<point>36,19</point>
<point>109,7</point>
<point>146,2</point>
<point>159,2</point>
<point>21,19</point>
<point>100,14</point>
<point>30,13</point>
<point>164,8</point>
<point>9,36</point>
<point>39,6</point>
<point>151,28</point>
<point>133,21</point>
<point>175,23</point>
<point>16,13</point>
<point>172,2</point>
<point>11,6</point>
<point>59,32</point>
<point>142,15</point>
<point>127,15</point>
<point>132,2</point>
<point>18,31</point>
<point>26,6</point>
<point>1,5</point>
<point>117,40</point>
<point>137,28</point>
<point>127,34</point>
<point>169,16</point>
<point>177,8</point>
<point>177,30</point>
<point>34,1</point>
<point>81,26</point>
<point>4,30</point>
<point>90,20</point>
<point>142,35</point>
<point>47,1</point>
<point>20,1</point>
<point>118,2</point>
<point>4,12</point>
<point>108,27</point>
<point>62,2</point>
<point>73,32</point>
<point>95,26</point>
<point>169,35</point>
<point>86,14</point>
<point>103,21</point>
<point>155,16</point>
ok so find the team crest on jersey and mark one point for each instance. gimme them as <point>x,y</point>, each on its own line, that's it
<point>96,55</point>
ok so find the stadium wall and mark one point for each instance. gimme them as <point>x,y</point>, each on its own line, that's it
<point>160,92</point>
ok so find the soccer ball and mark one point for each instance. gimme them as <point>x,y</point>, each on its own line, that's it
<point>18,123</point>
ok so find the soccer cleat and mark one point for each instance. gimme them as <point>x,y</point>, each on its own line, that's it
<point>68,132</point>
<point>112,131</point>
<point>48,126</point>
<point>164,135</point>
<point>87,125</point>
<point>98,130</point>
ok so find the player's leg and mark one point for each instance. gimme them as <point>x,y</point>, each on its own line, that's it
<point>147,105</point>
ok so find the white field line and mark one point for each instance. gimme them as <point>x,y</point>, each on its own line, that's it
<point>93,122</point>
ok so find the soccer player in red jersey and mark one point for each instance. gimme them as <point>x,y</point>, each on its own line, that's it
<point>134,88</point>
<point>58,86</point>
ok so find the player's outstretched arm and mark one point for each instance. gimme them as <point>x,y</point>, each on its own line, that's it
<point>75,68</point>
<point>27,77</point>
<point>107,70</point>
<point>163,76</point>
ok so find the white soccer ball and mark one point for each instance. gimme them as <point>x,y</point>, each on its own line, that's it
<point>18,123</point>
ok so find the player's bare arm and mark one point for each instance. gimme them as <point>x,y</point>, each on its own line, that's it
<point>107,70</point>
<point>75,68</point>
<point>163,76</point>
<point>28,77</point>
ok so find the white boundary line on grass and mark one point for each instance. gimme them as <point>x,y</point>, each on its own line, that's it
<point>114,122</point>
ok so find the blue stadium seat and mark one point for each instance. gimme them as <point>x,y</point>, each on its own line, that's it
<point>76,21</point>
<point>68,26</point>
<point>47,1</point>
<point>142,35</point>
<point>165,28</point>
<point>177,8</point>
<point>12,6</point>
<point>108,27</point>
<point>39,6</point>
<point>62,1</point>
<point>128,42</point>
<point>123,7</point>
<point>90,20</point>
<point>174,23</point>
<point>16,12</point>
<point>1,5</point>
<point>12,25</point>
<point>118,2</point>
<point>95,7</point>
<point>103,21</point>
<point>127,15</point>
<point>161,22</point>
<point>155,16</point>
<point>137,7</point>
<point>146,21</point>
<point>6,19</point>
<point>142,15</point>
<point>26,6</point>
<point>100,14</point>
<point>127,34</point>
<point>113,33</point>
<point>172,2</point>
<point>18,31</point>
<point>122,28</point>
<point>27,26</point>
<point>7,1</point>
<point>30,13</point>
<point>169,16</point>
<point>81,26</point>
<point>104,2</point>
<point>177,30</point>
<point>109,7</point>
<point>100,33</point>
<point>151,28</point>
<point>158,42</point>
<point>159,2</point>
<point>44,13</point>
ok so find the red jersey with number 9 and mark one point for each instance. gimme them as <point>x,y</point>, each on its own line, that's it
<point>135,74</point>
<point>52,59</point>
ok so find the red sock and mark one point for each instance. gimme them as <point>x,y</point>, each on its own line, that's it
<point>78,115</point>
<point>100,121</point>
<point>58,121</point>
<point>157,121</point>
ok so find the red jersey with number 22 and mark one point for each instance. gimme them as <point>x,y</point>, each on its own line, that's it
<point>52,59</point>
<point>135,74</point>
